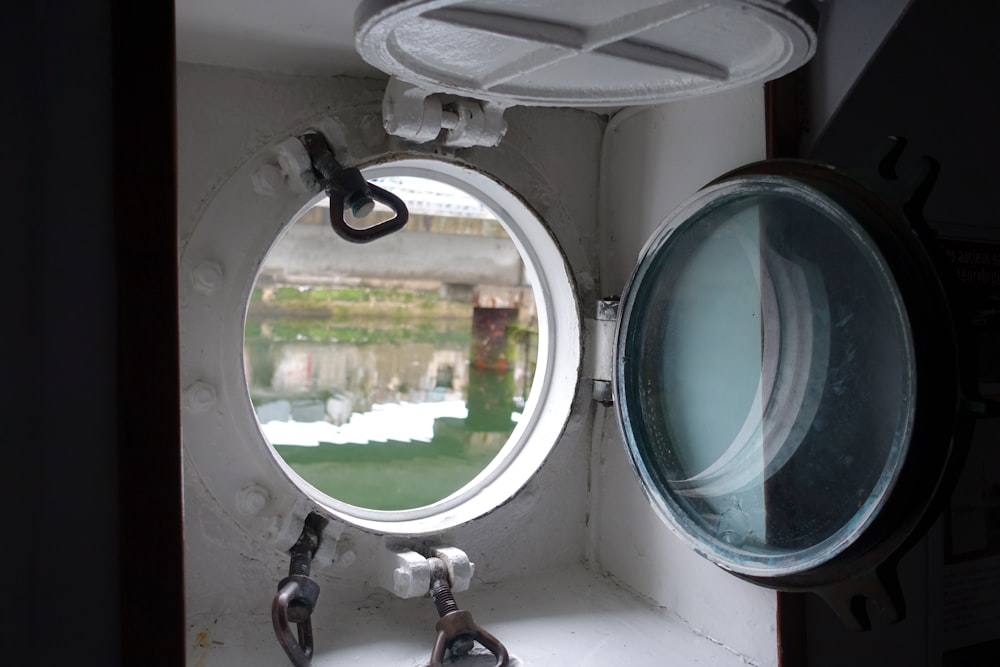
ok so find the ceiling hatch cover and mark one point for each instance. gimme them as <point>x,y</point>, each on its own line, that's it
<point>589,53</point>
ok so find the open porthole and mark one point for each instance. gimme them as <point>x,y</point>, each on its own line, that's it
<point>786,358</point>
<point>398,383</point>
<point>788,382</point>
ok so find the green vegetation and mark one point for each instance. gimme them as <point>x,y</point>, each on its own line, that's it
<point>316,297</point>
<point>395,475</point>
<point>334,330</point>
<point>396,485</point>
<point>355,315</point>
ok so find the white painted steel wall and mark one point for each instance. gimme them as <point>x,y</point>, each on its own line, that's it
<point>543,560</point>
<point>233,562</point>
<point>653,159</point>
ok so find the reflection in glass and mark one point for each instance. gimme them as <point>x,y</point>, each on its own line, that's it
<point>776,414</point>
<point>388,375</point>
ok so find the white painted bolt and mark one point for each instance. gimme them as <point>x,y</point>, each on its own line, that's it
<point>200,396</point>
<point>347,558</point>
<point>460,568</point>
<point>402,579</point>
<point>252,499</point>
<point>405,573</point>
<point>206,277</point>
<point>296,166</point>
<point>268,180</point>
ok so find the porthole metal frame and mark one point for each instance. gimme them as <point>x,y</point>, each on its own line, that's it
<point>223,442</point>
<point>546,410</point>
<point>934,451</point>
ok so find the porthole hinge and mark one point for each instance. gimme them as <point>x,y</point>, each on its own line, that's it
<point>599,349</point>
<point>420,116</point>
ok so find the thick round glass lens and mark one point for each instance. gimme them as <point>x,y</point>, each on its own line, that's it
<point>766,382</point>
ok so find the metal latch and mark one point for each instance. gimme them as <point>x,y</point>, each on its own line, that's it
<point>297,595</point>
<point>306,163</point>
<point>439,574</point>
<point>348,190</point>
<point>457,632</point>
<point>599,349</point>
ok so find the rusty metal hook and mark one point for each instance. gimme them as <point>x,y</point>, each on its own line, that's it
<point>341,202</point>
<point>459,625</point>
<point>297,595</point>
<point>291,605</point>
<point>456,629</point>
<point>347,189</point>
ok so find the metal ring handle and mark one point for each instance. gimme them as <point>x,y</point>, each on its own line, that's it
<point>346,185</point>
<point>491,643</point>
<point>364,235</point>
<point>458,624</point>
<point>299,650</point>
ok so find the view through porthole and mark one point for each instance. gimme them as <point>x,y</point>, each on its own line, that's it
<point>389,375</point>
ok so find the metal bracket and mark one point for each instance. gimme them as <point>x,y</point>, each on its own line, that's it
<point>854,599</point>
<point>407,574</point>
<point>599,351</point>
<point>420,116</point>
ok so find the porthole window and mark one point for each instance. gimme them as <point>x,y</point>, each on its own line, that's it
<point>787,379</point>
<point>777,317</point>
<point>401,380</point>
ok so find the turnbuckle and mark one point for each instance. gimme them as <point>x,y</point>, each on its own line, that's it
<point>456,630</point>
<point>348,189</point>
<point>297,595</point>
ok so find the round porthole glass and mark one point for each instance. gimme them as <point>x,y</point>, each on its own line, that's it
<point>767,376</point>
<point>398,380</point>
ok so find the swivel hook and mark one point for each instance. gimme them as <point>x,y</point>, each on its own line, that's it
<point>347,189</point>
<point>457,631</point>
<point>297,595</point>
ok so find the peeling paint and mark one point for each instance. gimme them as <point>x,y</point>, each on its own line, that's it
<point>201,642</point>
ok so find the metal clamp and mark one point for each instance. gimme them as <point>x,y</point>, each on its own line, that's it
<point>457,631</point>
<point>348,189</point>
<point>297,595</point>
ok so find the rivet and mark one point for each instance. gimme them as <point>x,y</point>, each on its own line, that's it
<point>252,499</point>
<point>268,180</point>
<point>206,277</point>
<point>200,396</point>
